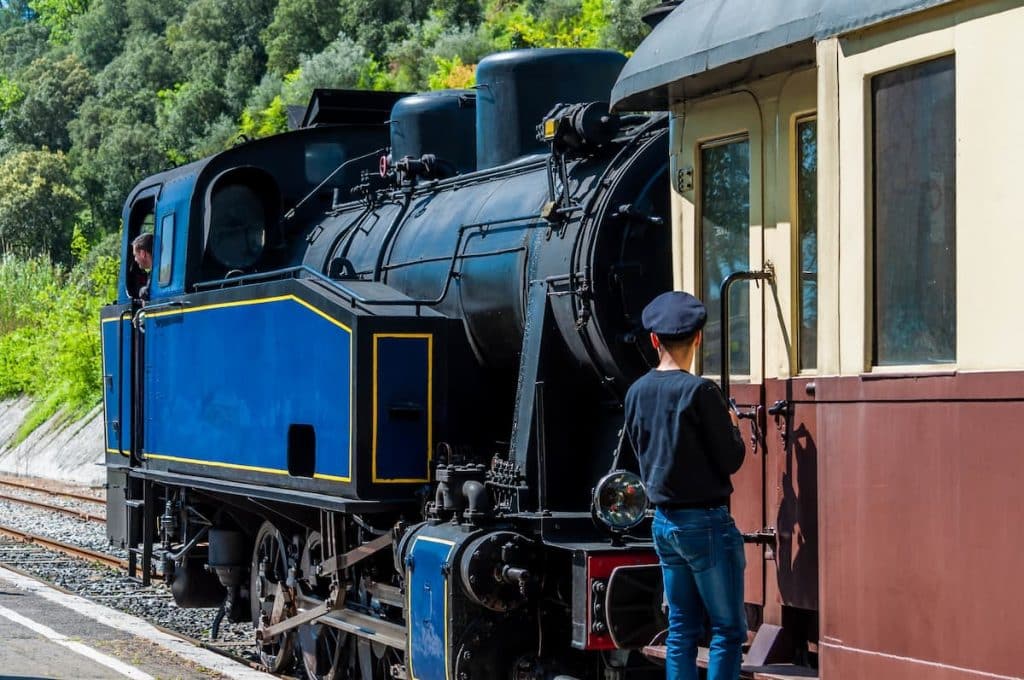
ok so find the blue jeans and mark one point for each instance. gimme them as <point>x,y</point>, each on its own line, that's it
<point>702,561</point>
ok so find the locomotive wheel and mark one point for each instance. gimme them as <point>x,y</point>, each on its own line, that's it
<point>268,575</point>
<point>323,648</point>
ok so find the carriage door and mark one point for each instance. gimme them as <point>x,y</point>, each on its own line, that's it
<point>745,170</point>
<point>718,175</point>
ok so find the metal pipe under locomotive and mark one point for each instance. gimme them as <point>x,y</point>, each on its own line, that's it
<point>376,427</point>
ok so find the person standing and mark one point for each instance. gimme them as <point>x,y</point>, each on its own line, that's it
<point>688,443</point>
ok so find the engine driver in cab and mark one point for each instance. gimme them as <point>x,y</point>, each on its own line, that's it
<point>688,444</point>
<point>142,252</point>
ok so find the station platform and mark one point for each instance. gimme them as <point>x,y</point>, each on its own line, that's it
<point>48,634</point>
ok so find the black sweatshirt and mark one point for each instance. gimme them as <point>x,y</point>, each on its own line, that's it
<point>679,426</point>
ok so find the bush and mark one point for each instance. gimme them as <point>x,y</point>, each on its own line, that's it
<point>49,333</point>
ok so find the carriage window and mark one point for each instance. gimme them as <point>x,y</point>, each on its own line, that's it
<point>725,229</point>
<point>807,221</point>
<point>166,249</point>
<point>914,145</point>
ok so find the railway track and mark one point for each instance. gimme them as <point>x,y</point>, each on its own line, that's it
<point>82,514</point>
<point>64,548</point>
<point>41,489</point>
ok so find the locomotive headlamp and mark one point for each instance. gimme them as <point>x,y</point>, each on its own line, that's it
<point>620,500</point>
<point>550,128</point>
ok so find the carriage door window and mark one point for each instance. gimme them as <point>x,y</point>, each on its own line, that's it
<point>725,246</point>
<point>166,249</point>
<point>807,222</point>
<point>914,146</point>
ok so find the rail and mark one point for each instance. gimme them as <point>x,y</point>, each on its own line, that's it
<point>81,514</point>
<point>40,489</point>
<point>65,548</point>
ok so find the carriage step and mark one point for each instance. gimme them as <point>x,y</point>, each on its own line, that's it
<point>369,627</point>
<point>775,671</point>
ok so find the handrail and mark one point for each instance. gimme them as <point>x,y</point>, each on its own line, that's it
<point>355,299</point>
<point>767,274</point>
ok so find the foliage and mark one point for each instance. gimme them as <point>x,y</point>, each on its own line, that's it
<point>451,74</point>
<point>59,16</point>
<point>38,206</point>
<point>300,27</point>
<point>10,95</point>
<point>51,348</point>
<point>99,33</point>
<point>53,89</point>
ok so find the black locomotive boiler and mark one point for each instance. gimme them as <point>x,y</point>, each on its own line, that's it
<point>374,398</point>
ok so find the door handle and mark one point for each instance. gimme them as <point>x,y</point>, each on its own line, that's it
<point>767,274</point>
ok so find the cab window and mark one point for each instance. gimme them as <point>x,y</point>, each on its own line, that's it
<point>166,249</point>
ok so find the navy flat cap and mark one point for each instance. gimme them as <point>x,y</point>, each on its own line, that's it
<point>674,313</point>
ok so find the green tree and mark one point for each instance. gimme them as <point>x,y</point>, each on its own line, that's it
<point>38,205</point>
<point>99,33</point>
<point>14,13</point>
<point>124,155</point>
<point>300,27</point>
<point>20,45</point>
<point>343,64</point>
<point>59,16</point>
<point>185,114</point>
<point>381,24</point>
<point>53,90</point>
<point>625,28</point>
<point>146,16</point>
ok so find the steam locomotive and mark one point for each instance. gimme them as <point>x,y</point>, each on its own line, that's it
<point>373,400</point>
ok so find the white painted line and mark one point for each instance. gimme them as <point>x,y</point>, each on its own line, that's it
<point>86,651</point>
<point>135,626</point>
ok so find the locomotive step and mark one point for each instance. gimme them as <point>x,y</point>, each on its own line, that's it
<point>776,671</point>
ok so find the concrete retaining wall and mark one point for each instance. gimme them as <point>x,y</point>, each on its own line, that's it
<point>69,451</point>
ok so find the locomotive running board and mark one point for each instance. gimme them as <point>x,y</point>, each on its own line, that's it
<point>263,493</point>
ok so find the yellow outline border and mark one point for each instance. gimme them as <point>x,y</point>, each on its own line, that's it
<point>412,628</point>
<point>351,381</point>
<point>430,406</point>
<point>235,466</point>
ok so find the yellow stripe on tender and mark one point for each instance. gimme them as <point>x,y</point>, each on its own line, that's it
<point>430,406</point>
<point>247,303</point>
<point>232,466</point>
<point>236,466</point>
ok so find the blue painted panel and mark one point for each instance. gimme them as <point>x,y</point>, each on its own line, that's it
<point>403,408</point>
<point>428,598</point>
<point>116,438</point>
<point>224,383</point>
<point>175,197</point>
